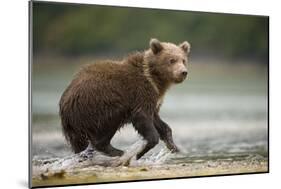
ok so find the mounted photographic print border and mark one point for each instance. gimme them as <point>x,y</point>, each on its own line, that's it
<point>216,105</point>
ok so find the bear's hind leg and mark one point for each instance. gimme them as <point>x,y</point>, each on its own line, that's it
<point>108,149</point>
<point>111,151</point>
<point>102,144</point>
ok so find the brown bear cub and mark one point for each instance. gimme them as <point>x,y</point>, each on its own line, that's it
<point>106,95</point>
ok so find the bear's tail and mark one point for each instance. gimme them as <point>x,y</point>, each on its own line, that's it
<point>76,139</point>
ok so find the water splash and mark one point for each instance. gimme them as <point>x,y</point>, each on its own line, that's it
<point>155,158</point>
<point>90,157</point>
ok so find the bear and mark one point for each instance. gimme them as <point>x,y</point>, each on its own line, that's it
<point>106,95</point>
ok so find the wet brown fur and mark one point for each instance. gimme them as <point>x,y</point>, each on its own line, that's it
<point>105,95</point>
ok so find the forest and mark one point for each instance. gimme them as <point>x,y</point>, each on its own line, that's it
<point>82,29</point>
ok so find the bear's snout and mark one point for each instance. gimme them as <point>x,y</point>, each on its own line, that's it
<point>180,73</point>
<point>184,73</point>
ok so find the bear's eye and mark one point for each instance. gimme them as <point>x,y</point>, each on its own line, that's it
<point>184,61</point>
<point>172,61</point>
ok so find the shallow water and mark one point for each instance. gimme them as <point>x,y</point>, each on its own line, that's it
<point>197,143</point>
<point>218,117</point>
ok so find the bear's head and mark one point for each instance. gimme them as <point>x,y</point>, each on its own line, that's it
<point>167,62</point>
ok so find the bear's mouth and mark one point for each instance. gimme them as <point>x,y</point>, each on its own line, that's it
<point>180,79</point>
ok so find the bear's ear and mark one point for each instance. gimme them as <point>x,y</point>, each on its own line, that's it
<point>155,45</point>
<point>185,46</point>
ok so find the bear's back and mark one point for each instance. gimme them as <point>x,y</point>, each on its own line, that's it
<point>108,86</point>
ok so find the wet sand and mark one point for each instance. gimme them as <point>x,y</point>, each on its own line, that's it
<point>98,174</point>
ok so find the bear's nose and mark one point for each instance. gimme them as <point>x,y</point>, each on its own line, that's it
<point>184,73</point>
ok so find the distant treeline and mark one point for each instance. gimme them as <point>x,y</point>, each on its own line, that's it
<point>83,29</point>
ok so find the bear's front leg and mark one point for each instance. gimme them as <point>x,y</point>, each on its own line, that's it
<point>143,123</point>
<point>165,133</point>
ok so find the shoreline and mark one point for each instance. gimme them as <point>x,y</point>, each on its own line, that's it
<point>99,174</point>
